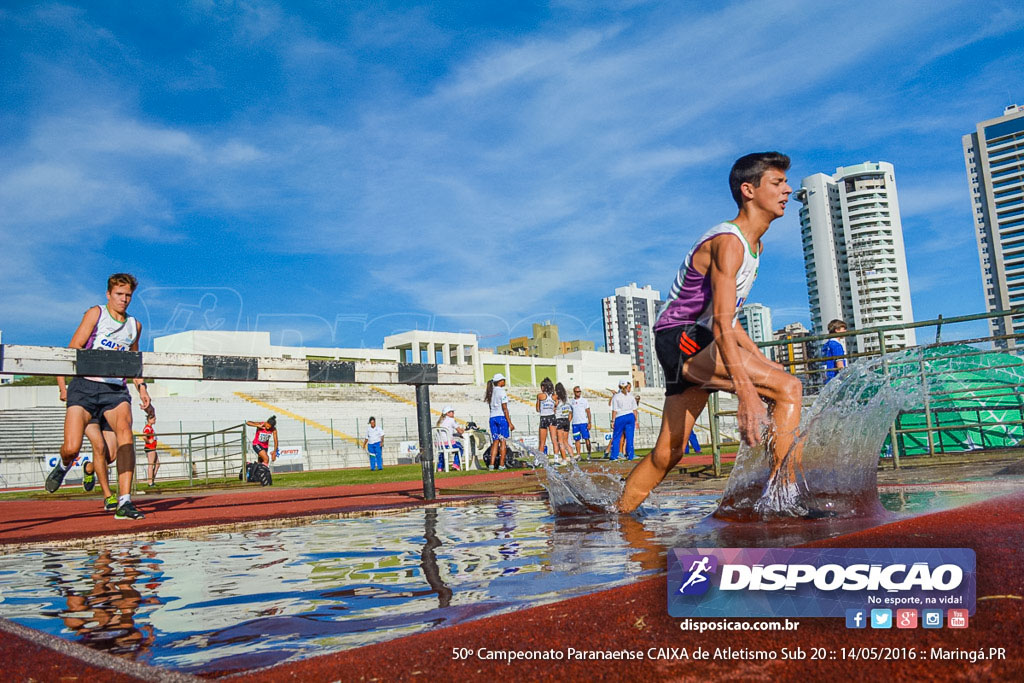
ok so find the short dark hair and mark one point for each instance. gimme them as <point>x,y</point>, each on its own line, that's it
<point>836,324</point>
<point>750,168</point>
<point>121,279</point>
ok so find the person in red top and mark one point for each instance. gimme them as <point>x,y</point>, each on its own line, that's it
<point>264,431</point>
<point>149,438</point>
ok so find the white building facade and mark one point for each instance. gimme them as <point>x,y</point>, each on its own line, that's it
<point>992,156</point>
<point>756,319</point>
<point>854,257</point>
<point>629,319</point>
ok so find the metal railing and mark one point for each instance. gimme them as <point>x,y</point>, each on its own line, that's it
<point>810,368</point>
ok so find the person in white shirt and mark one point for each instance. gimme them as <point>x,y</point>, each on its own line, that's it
<point>374,445</point>
<point>581,420</point>
<point>106,327</point>
<point>546,408</point>
<point>624,414</point>
<point>500,422</point>
<point>452,432</point>
<point>563,417</point>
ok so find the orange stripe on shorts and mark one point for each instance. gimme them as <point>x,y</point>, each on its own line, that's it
<point>688,345</point>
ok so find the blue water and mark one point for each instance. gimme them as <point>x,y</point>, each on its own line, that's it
<point>237,600</point>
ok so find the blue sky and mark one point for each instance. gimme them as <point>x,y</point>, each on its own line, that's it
<point>335,172</point>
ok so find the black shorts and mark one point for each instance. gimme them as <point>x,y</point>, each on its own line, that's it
<point>96,397</point>
<point>257,449</point>
<point>102,422</point>
<point>547,421</point>
<point>562,424</point>
<point>674,346</point>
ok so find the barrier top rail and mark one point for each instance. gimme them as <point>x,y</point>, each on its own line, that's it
<point>57,360</point>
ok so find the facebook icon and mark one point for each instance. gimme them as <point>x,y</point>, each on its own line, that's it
<point>856,618</point>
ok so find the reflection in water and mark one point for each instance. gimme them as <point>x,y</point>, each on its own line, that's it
<point>428,560</point>
<point>104,617</point>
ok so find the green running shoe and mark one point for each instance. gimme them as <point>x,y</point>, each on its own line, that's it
<point>89,482</point>
<point>128,511</point>
<point>55,478</point>
<point>110,504</point>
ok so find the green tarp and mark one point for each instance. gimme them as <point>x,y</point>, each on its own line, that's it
<point>977,390</point>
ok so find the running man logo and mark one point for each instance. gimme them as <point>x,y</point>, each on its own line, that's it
<point>817,582</point>
<point>696,581</point>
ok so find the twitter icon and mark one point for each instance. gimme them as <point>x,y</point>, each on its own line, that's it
<point>881,618</point>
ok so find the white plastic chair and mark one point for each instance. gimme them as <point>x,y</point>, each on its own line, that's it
<point>440,438</point>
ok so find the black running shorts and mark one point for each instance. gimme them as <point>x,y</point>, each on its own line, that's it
<point>96,397</point>
<point>547,421</point>
<point>674,345</point>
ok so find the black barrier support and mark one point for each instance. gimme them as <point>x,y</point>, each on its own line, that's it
<point>426,442</point>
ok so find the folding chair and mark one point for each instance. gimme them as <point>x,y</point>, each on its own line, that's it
<point>440,438</point>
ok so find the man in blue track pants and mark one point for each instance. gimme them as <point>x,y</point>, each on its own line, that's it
<point>624,414</point>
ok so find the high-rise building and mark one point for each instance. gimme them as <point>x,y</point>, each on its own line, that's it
<point>756,319</point>
<point>793,354</point>
<point>854,257</point>
<point>629,318</point>
<point>992,154</point>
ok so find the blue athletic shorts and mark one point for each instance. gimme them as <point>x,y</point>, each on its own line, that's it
<point>581,431</point>
<point>499,428</point>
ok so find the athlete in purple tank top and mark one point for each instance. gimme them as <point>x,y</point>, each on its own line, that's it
<point>702,350</point>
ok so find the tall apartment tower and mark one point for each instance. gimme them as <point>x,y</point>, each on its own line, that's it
<point>992,154</point>
<point>629,318</point>
<point>756,319</point>
<point>854,258</point>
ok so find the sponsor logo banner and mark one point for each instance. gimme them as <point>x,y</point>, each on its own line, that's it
<point>817,582</point>
<point>289,453</point>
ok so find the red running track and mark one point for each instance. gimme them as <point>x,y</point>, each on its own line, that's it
<point>28,521</point>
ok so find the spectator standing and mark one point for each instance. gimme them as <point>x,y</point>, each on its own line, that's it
<point>149,445</point>
<point>834,347</point>
<point>546,408</point>
<point>373,444</point>
<point>500,422</point>
<point>624,413</point>
<point>563,417</point>
<point>581,421</point>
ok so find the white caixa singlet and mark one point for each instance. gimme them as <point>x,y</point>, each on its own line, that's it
<point>111,335</point>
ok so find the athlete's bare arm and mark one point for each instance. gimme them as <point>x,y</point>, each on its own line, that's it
<point>78,341</point>
<point>140,383</point>
<point>726,252</point>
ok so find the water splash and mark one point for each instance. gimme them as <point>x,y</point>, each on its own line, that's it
<point>842,435</point>
<point>572,490</point>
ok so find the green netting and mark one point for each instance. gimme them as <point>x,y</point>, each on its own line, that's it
<point>977,390</point>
